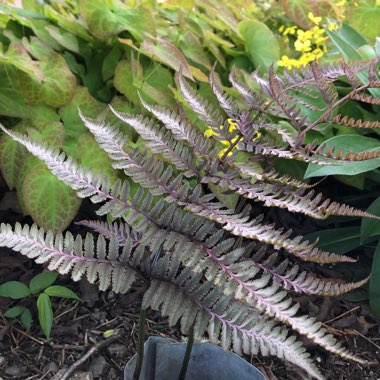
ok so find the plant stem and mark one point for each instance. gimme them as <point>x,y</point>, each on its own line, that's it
<point>140,352</point>
<point>186,358</point>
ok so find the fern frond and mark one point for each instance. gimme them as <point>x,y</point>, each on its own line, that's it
<point>201,106</point>
<point>296,153</point>
<point>233,324</point>
<point>180,128</point>
<point>228,103</point>
<point>355,123</point>
<point>286,103</point>
<point>328,92</point>
<point>151,173</point>
<point>157,139</point>
<point>365,98</point>
<point>253,99</point>
<point>339,154</point>
<point>121,231</point>
<point>293,278</point>
<point>108,266</point>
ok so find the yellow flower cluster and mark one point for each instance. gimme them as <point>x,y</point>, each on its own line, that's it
<point>310,43</point>
<point>232,125</point>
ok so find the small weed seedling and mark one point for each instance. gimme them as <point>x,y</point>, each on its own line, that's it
<point>40,287</point>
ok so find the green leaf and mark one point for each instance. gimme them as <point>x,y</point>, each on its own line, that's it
<point>107,18</point>
<point>57,88</point>
<point>337,240</point>
<point>50,202</point>
<point>45,313</point>
<point>356,181</point>
<point>261,43</point>
<point>371,227</point>
<point>12,102</point>
<point>42,281</point>
<point>14,311</point>
<point>191,46</point>
<point>168,54</point>
<point>14,289</point>
<point>365,18</point>
<point>153,83</point>
<point>374,283</point>
<point>12,156</point>
<point>50,132</point>
<point>353,143</point>
<point>26,319</point>
<point>66,39</point>
<point>61,292</point>
<point>297,10</point>
<point>90,107</point>
<point>110,62</point>
<point>349,53</point>
<point>94,158</point>
<point>17,56</point>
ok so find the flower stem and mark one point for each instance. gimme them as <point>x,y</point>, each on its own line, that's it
<point>140,352</point>
<point>186,358</point>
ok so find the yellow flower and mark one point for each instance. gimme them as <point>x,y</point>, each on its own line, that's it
<point>232,125</point>
<point>302,45</point>
<point>333,26</point>
<point>290,30</point>
<point>258,135</point>
<point>210,133</point>
<point>341,3</point>
<point>221,153</point>
<point>318,53</point>
<point>286,62</point>
<point>315,20</point>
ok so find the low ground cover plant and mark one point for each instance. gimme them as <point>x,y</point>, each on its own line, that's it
<point>40,287</point>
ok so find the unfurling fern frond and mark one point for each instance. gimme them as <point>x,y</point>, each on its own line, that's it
<point>211,275</point>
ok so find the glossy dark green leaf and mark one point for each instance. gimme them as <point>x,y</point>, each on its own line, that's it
<point>45,313</point>
<point>352,143</point>
<point>42,281</point>
<point>14,289</point>
<point>371,227</point>
<point>337,240</point>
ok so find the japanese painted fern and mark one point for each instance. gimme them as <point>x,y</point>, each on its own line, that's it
<point>207,265</point>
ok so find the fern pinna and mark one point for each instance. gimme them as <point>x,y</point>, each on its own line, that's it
<point>211,268</point>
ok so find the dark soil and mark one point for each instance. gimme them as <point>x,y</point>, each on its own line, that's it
<point>79,326</point>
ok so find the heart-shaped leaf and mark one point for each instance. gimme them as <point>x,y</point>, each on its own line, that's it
<point>50,202</point>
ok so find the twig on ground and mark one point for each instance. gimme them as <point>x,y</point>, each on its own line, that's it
<point>96,347</point>
<point>342,315</point>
